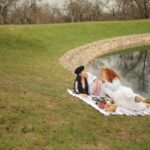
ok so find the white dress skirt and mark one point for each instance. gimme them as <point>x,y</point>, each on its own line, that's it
<point>123,96</point>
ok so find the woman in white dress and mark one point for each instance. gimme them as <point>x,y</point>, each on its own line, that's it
<point>123,96</point>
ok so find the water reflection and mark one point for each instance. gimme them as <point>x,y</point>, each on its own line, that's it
<point>134,68</point>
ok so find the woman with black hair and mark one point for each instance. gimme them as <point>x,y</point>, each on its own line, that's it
<point>85,82</point>
<point>81,83</point>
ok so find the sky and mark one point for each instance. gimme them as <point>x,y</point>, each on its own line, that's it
<point>60,2</point>
<point>54,1</point>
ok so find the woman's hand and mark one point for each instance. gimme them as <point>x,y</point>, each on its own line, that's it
<point>104,77</point>
<point>103,80</point>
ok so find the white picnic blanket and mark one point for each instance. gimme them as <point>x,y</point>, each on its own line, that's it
<point>119,110</point>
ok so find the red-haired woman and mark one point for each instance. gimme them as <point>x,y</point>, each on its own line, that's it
<point>123,96</point>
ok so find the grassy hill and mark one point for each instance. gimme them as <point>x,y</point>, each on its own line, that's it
<point>36,113</point>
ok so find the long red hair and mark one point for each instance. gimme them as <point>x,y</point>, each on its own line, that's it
<point>111,74</point>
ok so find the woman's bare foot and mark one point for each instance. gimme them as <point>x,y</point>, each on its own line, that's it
<point>139,99</point>
<point>142,99</point>
<point>147,101</point>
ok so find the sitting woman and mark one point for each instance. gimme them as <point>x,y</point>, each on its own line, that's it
<point>86,83</point>
<point>123,96</point>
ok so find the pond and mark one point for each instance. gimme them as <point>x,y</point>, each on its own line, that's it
<point>133,68</point>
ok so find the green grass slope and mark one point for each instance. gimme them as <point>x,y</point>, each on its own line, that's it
<point>36,113</point>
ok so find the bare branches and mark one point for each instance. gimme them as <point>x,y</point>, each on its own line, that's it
<point>38,11</point>
<point>143,6</point>
<point>83,10</point>
<point>5,5</point>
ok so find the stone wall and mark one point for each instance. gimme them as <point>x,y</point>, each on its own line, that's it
<point>84,54</point>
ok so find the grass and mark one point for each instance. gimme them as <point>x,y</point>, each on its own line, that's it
<point>129,50</point>
<point>35,110</point>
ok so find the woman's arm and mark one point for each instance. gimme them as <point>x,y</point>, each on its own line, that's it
<point>76,87</point>
<point>114,85</point>
<point>97,87</point>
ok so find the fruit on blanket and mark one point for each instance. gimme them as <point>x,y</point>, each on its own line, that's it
<point>102,104</point>
<point>111,107</point>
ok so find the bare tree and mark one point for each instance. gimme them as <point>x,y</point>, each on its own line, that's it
<point>30,10</point>
<point>5,5</point>
<point>133,8</point>
<point>128,9</point>
<point>143,6</point>
<point>83,10</point>
<point>38,11</point>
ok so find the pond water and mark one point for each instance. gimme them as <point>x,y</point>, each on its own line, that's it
<point>133,68</point>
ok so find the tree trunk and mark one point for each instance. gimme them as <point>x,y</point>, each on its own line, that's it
<point>145,9</point>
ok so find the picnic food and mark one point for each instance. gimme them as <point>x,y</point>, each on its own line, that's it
<point>105,103</point>
<point>110,107</point>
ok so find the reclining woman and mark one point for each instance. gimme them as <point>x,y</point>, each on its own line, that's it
<point>123,96</point>
<point>86,83</point>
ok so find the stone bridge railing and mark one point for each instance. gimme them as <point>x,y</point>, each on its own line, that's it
<point>84,54</point>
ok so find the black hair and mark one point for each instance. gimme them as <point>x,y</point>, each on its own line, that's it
<point>81,90</point>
